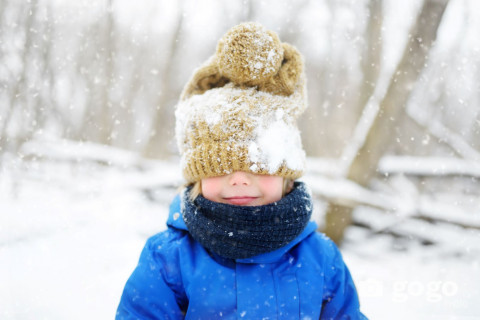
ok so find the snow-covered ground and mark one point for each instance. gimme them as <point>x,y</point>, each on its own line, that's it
<point>72,226</point>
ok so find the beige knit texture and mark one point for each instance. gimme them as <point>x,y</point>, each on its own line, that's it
<point>238,52</point>
<point>252,81</point>
<point>249,54</point>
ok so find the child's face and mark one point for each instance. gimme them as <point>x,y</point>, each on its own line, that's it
<point>243,189</point>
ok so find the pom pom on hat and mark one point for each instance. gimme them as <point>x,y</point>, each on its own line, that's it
<point>249,54</point>
<point>238,111</point>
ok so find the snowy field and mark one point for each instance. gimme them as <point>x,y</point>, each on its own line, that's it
<point>73,219</point>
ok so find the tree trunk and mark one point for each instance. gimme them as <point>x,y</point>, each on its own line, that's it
<point>381,132</point>
<point>106,117</point>
<point>372,52</point>
<point>157,147</point>
<point>18,95</point>
<point>99,65</point>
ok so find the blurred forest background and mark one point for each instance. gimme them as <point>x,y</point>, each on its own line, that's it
<point>391,81</point>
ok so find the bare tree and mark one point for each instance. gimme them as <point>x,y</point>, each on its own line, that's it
<point>106,116</point>
<point>382,131</point>
<point>19,94</point>
<point>162,126</point>
<point>98,70</point>
<point>372,56</point>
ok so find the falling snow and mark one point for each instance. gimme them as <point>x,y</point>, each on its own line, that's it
<point>79,226</point>
<point>75,214</point>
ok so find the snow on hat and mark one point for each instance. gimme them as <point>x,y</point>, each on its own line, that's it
<point>238,111</point>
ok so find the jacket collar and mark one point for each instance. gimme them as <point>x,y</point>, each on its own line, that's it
<point>175,220</point>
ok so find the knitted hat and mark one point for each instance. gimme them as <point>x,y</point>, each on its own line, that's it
<point>238,111</point>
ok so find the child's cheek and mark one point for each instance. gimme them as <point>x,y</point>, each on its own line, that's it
<point>272,186</point>
<point>211,188</point>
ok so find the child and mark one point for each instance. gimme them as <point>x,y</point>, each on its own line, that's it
<point>240,243</point>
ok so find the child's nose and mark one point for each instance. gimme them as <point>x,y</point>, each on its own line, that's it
<point>239,178</point>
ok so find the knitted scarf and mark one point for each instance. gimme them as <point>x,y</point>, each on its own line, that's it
<point>238,232</point>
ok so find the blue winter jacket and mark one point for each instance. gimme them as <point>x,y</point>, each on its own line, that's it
<point>176,278</point>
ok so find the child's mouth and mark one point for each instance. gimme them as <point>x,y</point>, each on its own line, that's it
<point>240,201</point>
